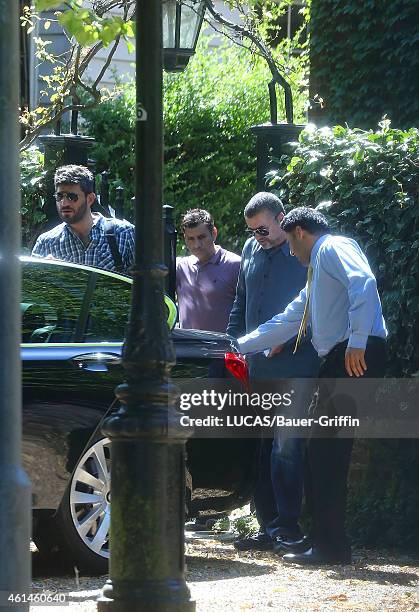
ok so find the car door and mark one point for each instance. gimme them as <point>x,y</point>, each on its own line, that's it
<point>68,376</point>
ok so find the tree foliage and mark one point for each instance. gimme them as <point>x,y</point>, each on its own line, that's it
<point>209,151</point>
<point>384,494</point>
<point>88,31</point>
<point>91,27</point>
<point>32,193</point>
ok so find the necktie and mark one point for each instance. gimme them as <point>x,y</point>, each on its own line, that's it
<point>304,320</point>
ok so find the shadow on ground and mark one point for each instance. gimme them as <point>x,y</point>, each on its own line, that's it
<point>378,576</point>
<point>205,569</point>
<point>202,568</point>
<point>53,566</point>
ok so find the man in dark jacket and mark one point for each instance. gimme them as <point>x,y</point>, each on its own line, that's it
<point>269,278</point>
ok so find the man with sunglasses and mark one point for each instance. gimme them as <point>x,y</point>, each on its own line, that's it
<point>269,277</point>
<point>83,237</point>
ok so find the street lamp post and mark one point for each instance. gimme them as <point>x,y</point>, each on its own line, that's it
<point>15,515</point>
<point>148,446</point>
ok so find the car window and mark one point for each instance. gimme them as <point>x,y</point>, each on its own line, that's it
<point>109,310</point>
<point>51,301</point>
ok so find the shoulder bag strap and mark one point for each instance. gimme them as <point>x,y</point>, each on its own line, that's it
<point>113,245</point>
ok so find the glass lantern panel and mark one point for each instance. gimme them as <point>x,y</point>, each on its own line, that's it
<point>169,23</point>
<point>190,23</point>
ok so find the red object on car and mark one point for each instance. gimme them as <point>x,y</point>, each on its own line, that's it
<point>237,365</point>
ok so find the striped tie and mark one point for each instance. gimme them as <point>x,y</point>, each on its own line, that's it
<point>304,320</point>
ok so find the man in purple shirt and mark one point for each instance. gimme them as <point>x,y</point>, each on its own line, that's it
<point>205,280</point>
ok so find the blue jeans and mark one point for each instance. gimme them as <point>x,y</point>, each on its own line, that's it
<point>279,490</point>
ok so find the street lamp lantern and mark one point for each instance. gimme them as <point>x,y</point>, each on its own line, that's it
<point>182,21</point>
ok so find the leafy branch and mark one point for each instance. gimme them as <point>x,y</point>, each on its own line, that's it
<point>250,31</point>
<point>88,31</point>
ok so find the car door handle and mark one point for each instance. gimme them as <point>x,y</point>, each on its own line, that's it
<point>96,362</point>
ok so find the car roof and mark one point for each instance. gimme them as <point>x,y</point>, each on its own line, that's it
<point>69,264</point>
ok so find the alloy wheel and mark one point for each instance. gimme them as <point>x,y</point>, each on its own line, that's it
<point>90,497</point>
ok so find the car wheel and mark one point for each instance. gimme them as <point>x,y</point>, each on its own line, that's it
<point>83,518</point>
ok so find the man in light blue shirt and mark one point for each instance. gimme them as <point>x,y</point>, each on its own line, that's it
<point>341,304</point>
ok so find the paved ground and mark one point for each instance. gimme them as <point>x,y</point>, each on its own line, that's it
<point>221,579</point>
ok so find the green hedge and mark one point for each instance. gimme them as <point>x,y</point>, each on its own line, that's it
<point>364,61</point>
<point>209,152</point>
<point>367,183</point>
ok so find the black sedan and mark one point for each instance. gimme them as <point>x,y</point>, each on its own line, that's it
<point>73,324</point>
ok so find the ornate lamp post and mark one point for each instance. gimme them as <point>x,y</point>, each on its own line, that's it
<point>15,502</point>
<point>148,449</point>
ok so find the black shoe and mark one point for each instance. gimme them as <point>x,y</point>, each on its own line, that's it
<point>285,544</point>
<point>314,557</point>
<point>257,541</point>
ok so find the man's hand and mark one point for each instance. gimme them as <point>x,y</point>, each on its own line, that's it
<point>275,351</point>
<point>355,361</point>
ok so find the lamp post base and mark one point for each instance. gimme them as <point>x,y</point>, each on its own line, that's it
<point>148,501</point>
<point>153,596</point>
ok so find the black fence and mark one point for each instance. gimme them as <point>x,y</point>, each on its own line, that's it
<point>116,208</point>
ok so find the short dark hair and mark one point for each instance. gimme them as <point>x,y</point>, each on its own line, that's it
<point>75,175</point>
<point>263,201</point>
<point>196,216</point>
<point>307,218</point>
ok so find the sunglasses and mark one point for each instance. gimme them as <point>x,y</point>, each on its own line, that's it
<point>69,195</point>
<point>262,231</point>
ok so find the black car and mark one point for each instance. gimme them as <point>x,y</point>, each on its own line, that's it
<point>73,324</point>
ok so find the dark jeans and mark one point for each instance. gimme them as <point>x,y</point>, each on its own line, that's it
<point>278,492</point>
<point>329,457</point>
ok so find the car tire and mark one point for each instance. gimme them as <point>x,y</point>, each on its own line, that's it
<point>83,518</point>
<point>45,534</point>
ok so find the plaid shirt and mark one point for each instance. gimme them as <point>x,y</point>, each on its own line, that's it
<point>62,243</point>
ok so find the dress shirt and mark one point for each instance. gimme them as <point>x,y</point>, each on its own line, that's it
<point>206,291</point>
<point>62,243</point>
<point>269,279</point>
<point>344,302</point>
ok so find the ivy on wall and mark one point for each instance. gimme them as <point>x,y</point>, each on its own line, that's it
<point>364,62</point>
